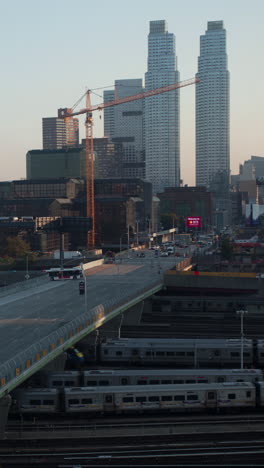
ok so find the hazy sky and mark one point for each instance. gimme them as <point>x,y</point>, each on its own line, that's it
<point>53,50</point>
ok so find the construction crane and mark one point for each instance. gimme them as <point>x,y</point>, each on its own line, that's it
<point>88,110</point>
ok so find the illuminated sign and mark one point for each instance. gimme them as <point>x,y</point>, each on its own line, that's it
<point>195,221</point>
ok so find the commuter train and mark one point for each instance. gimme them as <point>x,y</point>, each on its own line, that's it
<point>138,399</point>
<point>118,377</point>
<point>200,353</point>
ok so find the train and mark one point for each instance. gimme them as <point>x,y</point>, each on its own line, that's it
<point>138,399</point>
<point>121,377</point>
<point>198,353</point>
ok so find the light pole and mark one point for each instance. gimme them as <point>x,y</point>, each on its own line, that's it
<point>137,231</point>
<point>242,313</point>
<point>85,288</point>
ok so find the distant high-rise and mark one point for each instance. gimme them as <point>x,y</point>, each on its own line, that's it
<point>124,124</point>
<point>212,107</point>
<point>58,132</point>
<point>162,125</point>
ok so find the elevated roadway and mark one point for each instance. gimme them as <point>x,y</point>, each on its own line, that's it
<point>40,319</point>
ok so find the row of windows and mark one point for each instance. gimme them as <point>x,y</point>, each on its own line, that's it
<point>156,398</point>
<point>216,352</point>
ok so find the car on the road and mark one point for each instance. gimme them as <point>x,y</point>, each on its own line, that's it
<point>164,254</point>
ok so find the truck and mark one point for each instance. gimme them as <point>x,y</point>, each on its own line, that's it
<point>67,254</point>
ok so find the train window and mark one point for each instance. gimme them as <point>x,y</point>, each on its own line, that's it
<point>231,396</point>
<point>220,379</point>
<point>178,382</point>
<point>91,383</point>
<point>69,383</point>
<point>34,402</point>
<point>190,381</point>
<point>179,397</point>
<point>134,352</point>
<point>124,381</point>
<point>119,353</point>
<point>190,353</point>
<point>153,398</point>
<point>170,353</point>
<point>48,402</point>
<point>141,399</point>
<point>192,397</point>
<point>74,401</point>
<point>128,400</point>
<point>154,382</point>
<point>148,353</point>
<point>160,353</point>
<point>56,383</point>
<point>211,395</point>
<point>103,383</point>
<point>234,354</point>
<point>142,382</point>
<point>108,399</point>
<point>202,381</point>
<point>87,401</point>
<point>180,353</point>
<point>246,354</point>
<point>166,382</point>
<point>105,351</point>
<point>248,394</point>
<point>240,380</point>
<point>166,398</point>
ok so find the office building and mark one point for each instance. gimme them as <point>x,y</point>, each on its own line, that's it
<point>58,132</point>
<point>162,129</point>
<point>124,125</point>
<point>56,163</point>
<point>212,106</point>
<point>108,158</point>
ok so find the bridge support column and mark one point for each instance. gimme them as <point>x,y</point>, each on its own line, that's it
<point>5,403</point>
<point>58,364</point>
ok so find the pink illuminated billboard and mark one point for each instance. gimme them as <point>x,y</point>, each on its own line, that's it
<point>194,222</point>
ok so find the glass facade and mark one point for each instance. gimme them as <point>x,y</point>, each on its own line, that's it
<point>212,106</point>
<point>162,129</point>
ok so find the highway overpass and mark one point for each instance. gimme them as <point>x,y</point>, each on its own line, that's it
<point>40,319</point>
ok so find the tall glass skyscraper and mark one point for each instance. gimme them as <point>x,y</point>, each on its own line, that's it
<point>212,107</point>
<point>162,126</point>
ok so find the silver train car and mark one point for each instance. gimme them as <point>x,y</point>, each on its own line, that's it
<point>195,353</point>
<point>158,398</point>
<point>36,400</point>
<point>104,377</point>
<point>134,398</point>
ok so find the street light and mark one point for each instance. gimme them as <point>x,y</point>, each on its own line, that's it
<point>120,246</point>
<point>85,288</point>
<point>242,313</point>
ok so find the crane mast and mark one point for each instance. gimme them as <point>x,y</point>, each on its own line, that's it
<point>89,157</point>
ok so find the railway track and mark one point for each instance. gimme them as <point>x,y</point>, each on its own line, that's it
<point>136,425</point>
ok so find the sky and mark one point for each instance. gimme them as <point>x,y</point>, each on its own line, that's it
<point>52,51</point>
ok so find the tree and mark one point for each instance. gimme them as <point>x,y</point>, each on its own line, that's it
<point>16,247</point>
<point>226,249</point>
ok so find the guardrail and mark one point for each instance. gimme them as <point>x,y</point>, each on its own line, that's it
<point>27,362</point>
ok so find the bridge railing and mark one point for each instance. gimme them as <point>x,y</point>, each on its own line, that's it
<point>28,361</point>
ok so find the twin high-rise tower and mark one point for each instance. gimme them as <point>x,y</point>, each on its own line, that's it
<point>151,129</point>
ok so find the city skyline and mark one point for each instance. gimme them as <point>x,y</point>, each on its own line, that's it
<point>45,68</point>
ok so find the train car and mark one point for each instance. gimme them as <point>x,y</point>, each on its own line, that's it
<point>36,400</point>
<point>177,352</point>
<point>260,353</point>
<point>60,379</point>
<point>182,398</point>
<point>106,377</point>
